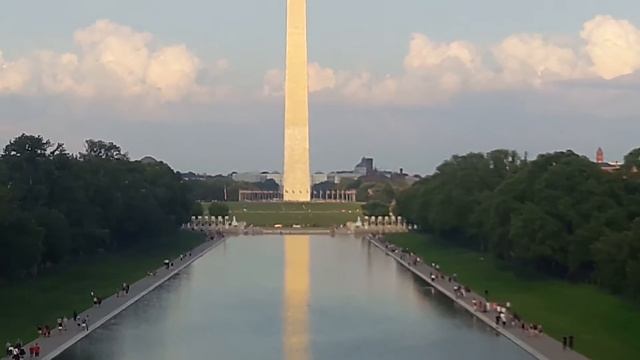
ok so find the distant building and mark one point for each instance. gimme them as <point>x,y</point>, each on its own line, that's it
<point>606,166</point>
<point>275,176</point>
<point>250,177</point>
<point>338,176</point>
<point>364,167</point>
<point>363,170</point>
<point>148,160</point>
<point>191,176</point>
<point>600,156</point>
<point>318,177</point>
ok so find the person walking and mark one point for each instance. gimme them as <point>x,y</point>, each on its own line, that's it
<point>571,339</point>
<point>85,323</point>
<point>36,350</point>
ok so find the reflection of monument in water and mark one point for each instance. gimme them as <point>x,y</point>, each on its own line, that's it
<point>295,309</point>
<point>297,174</point>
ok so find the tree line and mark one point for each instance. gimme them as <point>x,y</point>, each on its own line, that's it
<point>55,206</point>
<point>560,214</point>
<point>224,188</point>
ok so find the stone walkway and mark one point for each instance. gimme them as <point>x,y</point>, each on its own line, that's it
<point>110,307</point>
<point>542,347</point>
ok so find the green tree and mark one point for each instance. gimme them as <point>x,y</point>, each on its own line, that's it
<point>218,209</point>
<point>559,214</point>
<point>98,149</point>
<point>196,209</point>
<point>375,208</point>
<point>55,206</point>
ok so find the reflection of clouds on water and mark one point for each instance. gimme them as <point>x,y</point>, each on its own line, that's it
<point>295,312</point>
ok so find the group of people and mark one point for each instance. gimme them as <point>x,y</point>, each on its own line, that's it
<point>97,300</point>
<point>124,290</point>
<point>17,351</point>
<point>404,254</point>
<point>502,313</point>
<point>169,264</point>
<point>214,235</point>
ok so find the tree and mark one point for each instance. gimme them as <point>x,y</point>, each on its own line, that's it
<point>559,214</point>
<point>98,149</point>
<point>20,240</point>
<point>610,252</point>
<point>324,187</point>
<point>218,209</point>
<point>196,209</point>
<point>375,208</point>
<point>27,146</point>
<point>55,206</point>
<point>56,239</point>
<point>632,159</point>
<point>268,185</point>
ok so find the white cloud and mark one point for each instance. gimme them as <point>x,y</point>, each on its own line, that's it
<point>14,76</point>
<point>426,55</point>
<point>172,71</point>
<point>613,46</point>
<point>529,58</point>
<point>113,61</point>
<point>436,71</point>
<point>320,78</point>
<point>273,84</point>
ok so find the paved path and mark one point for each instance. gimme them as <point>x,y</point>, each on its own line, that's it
<point>57,343</point>
<point>542,347</point>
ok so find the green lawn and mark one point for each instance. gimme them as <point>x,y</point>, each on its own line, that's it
<point>25,305</point>
<point>606,327</point>
<point>287,214</point>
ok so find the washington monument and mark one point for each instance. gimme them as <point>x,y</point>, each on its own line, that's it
<point>296,179</point>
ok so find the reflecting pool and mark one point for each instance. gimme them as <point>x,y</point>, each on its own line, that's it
<point>294,297</point>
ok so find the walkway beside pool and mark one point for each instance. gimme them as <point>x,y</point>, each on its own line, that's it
<point>58,342</point>
<point>542,347</point>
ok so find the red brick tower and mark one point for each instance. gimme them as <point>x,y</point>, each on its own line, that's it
<point>599,156</point>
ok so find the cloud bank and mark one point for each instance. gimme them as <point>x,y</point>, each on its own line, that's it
<point>433,71</point>
<point>112,61</point>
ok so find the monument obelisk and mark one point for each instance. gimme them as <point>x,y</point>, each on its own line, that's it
<point>297,175</point>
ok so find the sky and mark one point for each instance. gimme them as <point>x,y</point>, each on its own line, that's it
<point>198,83</point>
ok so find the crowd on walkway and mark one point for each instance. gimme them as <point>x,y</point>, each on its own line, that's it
<point>17,351</point>
<point>501,312</point>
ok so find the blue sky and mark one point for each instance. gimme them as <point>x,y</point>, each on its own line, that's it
<point>409,82</point>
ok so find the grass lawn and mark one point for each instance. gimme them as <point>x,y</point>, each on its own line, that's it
<point>605,326</point>
<point>25,305</point>
<point>288,214</point>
